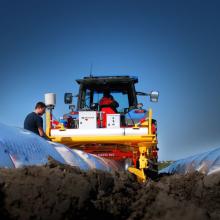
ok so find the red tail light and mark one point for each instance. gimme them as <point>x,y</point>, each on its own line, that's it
<point>140,111</point>
<point>74,113</point>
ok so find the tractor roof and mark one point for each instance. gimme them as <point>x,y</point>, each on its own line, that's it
<point>102,80</point>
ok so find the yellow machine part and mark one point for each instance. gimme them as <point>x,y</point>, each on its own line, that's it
<point>141,143</point>
<point>143,163</point>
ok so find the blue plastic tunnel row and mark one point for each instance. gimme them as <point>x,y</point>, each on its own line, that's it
<point>206,163</point>
<point>19,148</point>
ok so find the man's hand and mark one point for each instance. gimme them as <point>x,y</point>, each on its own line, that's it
<point>42,134</point>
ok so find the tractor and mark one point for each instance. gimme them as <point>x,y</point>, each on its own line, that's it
<point>118,128</point>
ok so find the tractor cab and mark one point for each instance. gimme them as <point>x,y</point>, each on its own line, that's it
<point>120,89</point>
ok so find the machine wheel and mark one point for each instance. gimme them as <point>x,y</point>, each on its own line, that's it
<point>152,174</point>
<point>152,170</point>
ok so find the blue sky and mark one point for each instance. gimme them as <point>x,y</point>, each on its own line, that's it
<point>172,46</point>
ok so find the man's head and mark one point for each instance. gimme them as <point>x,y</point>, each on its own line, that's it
<point>106,93</point>
<point>40,108</point>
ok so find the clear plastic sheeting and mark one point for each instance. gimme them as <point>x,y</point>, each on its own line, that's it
<point>19,147</point>
<point>206,163</point>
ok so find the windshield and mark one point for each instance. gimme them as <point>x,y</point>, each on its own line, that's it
<point>124,95</point>
<point>91,96</point>
<point>121,98</point>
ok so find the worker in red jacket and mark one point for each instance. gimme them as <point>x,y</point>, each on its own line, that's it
<point>107,105</point>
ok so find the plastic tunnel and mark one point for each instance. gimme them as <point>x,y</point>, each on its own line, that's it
<point>19,148</point>
<point>206,163</point>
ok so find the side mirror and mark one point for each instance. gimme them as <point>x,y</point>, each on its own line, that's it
<point>68,98</point>
<point>154,95</point>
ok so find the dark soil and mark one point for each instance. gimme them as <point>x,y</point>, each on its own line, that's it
<point>57,191</point>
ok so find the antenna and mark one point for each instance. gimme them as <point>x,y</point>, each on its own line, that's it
<point>91,68</point>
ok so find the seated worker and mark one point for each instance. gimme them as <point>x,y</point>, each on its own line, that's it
<point>107,105</point>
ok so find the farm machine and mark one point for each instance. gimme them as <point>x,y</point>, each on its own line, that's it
<point>109,122</point>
